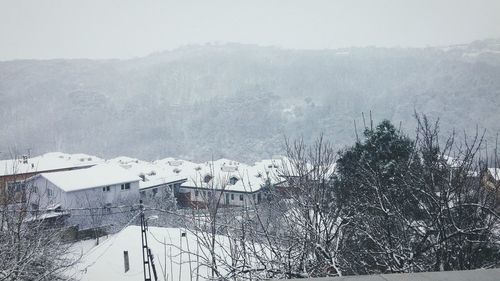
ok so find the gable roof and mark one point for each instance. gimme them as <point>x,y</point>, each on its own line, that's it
<point>105,261</point>
<point>96,176</point>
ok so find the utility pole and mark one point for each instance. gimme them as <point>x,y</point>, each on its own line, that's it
<point>147,256</point>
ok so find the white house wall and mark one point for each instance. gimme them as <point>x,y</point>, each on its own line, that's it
<point>78,199</point>
<point>248,198</point>
<point>39,191</point>
<point>95,197</point>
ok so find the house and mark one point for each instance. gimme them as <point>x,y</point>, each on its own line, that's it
<point>14,171</point>
<point>97,186</point>
<point>228,182</point>
<point>159,179</point>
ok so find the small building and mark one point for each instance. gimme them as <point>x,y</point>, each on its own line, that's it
<point>159,179</point>
<point>13,172</point>
<point>228,182</point>
<point>97,186</point>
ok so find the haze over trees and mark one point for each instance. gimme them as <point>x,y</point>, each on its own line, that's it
<point>238,101</point>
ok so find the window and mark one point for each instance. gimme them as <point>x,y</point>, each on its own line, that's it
<point>155,191</point>
<point>106,189</point>
<point>241,197</point>
<point>196,192</point>
<point>15,186</point>
<point>210,194</point>
<point>50,193</point>
<point>232,196</point>
<point>125,186</point>
<point>34,189</point>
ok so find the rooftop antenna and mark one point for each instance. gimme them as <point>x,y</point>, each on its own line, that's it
<point>371,121</point>
<point>147,256</point>
<point>356,131</point>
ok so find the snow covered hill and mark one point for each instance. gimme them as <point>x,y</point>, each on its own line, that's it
<point>200,102</point>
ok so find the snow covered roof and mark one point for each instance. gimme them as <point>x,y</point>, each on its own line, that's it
<point>47,162</point>
<point>106,262</point>
<point>230,175</point>
<point>152,173</point>
<point>95,176</point>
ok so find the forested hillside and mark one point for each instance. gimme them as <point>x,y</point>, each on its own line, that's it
<point>239,101</point>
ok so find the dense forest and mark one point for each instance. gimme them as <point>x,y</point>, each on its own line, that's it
<point>240,101</point>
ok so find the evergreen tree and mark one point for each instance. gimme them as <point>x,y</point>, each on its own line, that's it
<point>371,183</point>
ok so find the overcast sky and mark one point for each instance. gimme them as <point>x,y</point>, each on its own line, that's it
<point>130,28</point>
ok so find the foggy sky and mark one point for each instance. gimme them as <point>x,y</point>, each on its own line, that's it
<point>131,28</point>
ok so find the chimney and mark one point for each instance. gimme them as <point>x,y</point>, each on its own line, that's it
<point>126,261</point>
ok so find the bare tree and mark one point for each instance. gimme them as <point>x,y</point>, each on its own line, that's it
<point>415,206</point>
<point>32,241</point>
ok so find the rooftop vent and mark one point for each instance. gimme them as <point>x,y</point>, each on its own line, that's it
<point>175,163</point>
<point>233,180</point>
<point>207,178</point>
<point>176,170</point>
<point>229,168</point>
